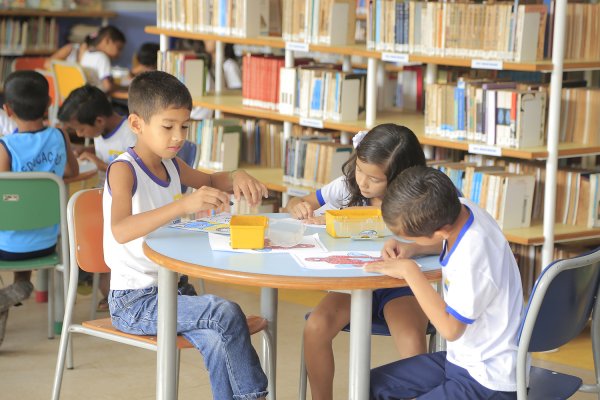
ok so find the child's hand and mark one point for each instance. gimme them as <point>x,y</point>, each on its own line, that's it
<point>87,156</point>
<point>205,198</point>
<point>393,249</point>
<point>302,210</point>
<point>397,268</point>
<point>320,220</point>
<point>252,189</point>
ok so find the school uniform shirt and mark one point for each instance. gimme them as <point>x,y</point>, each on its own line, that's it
<point>130,268</point>
<point>97,67</point>
<point>482,288</point>
<point>7,125</point>
<point>109,146</point>
<point>335,194</point>
<point>41,151</point>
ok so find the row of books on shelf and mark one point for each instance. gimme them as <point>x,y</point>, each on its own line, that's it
<point>20,35</point>
<point>329,22</point>
<point>321,93</point>
<point>187,66</point>
<point>5,69</point>
<point>580,119</point>
<point>314,161</point>
<point>494,113</point>
<point>243,18</point>
<point>458,29</point>
<point>513,192</point>
<point>218,141</point>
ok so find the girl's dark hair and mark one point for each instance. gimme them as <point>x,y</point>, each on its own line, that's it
<point>391,147</point>
<point>147,54</point>
<point>113,33</point>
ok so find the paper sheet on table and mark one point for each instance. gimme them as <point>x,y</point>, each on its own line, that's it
<point>310,244</point>
<point>214,224</point>
<point>337,259</point>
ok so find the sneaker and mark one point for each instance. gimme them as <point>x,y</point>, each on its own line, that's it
<point>186,288</point>
<point>14,294</point>
<point>3,319</point>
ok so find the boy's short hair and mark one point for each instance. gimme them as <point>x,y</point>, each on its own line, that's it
<point>420,201</point>
<point>85,104</point>
<point>155,91</point>
<point>147,54</point>
<point>26,93</point>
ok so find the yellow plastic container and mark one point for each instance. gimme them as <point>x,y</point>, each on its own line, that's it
<point>360,223</point>
<point>248,231</point>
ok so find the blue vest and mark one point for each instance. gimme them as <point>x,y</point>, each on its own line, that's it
<point>42,151</point>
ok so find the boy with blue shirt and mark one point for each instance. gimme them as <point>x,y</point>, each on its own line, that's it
<point>32,148</point>
<point>479,315</point>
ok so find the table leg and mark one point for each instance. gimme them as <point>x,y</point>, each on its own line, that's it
<point>360,344</point>
<point>268,308</point>
<point>440,342</point>
<point>166,385</point>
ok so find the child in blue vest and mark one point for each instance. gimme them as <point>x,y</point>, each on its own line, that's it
<point>32,148</point>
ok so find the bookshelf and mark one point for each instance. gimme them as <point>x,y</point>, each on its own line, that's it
<point>546,233</point>
<point>29,12</point>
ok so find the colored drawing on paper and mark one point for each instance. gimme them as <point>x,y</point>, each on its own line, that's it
<point>215,224</point>
<point>338,259</point>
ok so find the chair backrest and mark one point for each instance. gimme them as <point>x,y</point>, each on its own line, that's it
<point>31,200</point>
<point>84,214</point>
<point>561,302</point>
<point>69,76</point>
<point>28,63</point>
<point>53,108</point>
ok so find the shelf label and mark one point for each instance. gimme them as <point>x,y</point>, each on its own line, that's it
<point>296,46</point>
<point>297,192</point>
<point>311,123</point>
<point>487,64</point>
<point>400,58</point>
<point>485,150</point>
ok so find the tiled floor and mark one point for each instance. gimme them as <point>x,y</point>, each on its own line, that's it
<point>107,370</point>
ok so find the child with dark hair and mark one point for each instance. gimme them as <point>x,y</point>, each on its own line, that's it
<point>381,154</point>
<point>479,313</point>
<point>146,58</point>
<point>32,148</point>
<point>104,46</point>
<point>143,192</point>
<point>88,112</point>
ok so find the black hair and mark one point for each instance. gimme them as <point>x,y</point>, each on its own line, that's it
<point>109,31</point>
<point>392,147</point>
<point>420,201</point>
<point>147,54</point>
<point>85,104</point>
<point>26,93</point>
<point>153,91</point>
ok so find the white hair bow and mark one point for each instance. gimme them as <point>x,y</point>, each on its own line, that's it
<point>356,139</point>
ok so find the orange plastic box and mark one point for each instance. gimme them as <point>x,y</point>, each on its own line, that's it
<point>355,222</point>
<point>248,231</point>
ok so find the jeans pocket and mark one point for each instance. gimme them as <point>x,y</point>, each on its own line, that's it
<point>125,299</point>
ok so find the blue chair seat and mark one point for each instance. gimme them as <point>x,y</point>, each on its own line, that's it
<point>546,384</point>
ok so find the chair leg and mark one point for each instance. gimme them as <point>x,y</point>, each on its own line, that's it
<point>51,304</point>
<point>303,381</point>
<point>177,366</point>
<point>95,287</point>
<point>432,343</point>
<point>269,364</point>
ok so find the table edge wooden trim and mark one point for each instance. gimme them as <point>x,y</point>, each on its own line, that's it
<point>81,177</point>
<point>274,281</point>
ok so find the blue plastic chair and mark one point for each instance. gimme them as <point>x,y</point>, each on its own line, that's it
<point>378,328</point>
<point>564,297</point>
<point>188,154</point>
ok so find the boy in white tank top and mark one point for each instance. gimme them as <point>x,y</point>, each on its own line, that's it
<point>142,193</point>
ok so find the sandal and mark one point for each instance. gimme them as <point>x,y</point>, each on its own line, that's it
<point>102,306</point>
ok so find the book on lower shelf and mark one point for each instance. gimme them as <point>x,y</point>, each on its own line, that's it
<point>219,143</point>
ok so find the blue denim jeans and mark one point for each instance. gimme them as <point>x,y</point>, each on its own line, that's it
<point>214,326</point>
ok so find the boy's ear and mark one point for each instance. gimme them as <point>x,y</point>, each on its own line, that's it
<point>135,122</point>
<point>7,110</point>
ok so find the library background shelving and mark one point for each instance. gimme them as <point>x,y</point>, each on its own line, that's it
<point>541,234</point>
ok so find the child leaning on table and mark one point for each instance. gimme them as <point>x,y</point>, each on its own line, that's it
<point>383,153</point>
<point>32,148</point>
<point>142,193</point>
<point>479,314</point>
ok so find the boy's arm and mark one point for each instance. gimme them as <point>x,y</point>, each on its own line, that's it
<point>126,227</point>
<point>90,156</point>
<point>72,167</point>
<point>396,249</point>
<point>238,182</point>
<point>60,54</point>
<point>4,159</point>
<point>430,301</point>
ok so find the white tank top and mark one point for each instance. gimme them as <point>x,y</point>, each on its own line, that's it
<point>130,268</point>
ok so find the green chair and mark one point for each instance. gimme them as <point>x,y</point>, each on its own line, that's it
<point>34,200</point>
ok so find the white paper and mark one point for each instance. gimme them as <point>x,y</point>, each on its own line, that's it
<point>311,244</point>
<point>337,259</point>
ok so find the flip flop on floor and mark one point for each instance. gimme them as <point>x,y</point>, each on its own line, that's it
<point>102,306</point>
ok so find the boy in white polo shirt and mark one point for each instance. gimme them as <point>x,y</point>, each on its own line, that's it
<point>480,313</point>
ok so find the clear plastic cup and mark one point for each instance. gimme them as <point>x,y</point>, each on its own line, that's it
<point>285,232</point>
